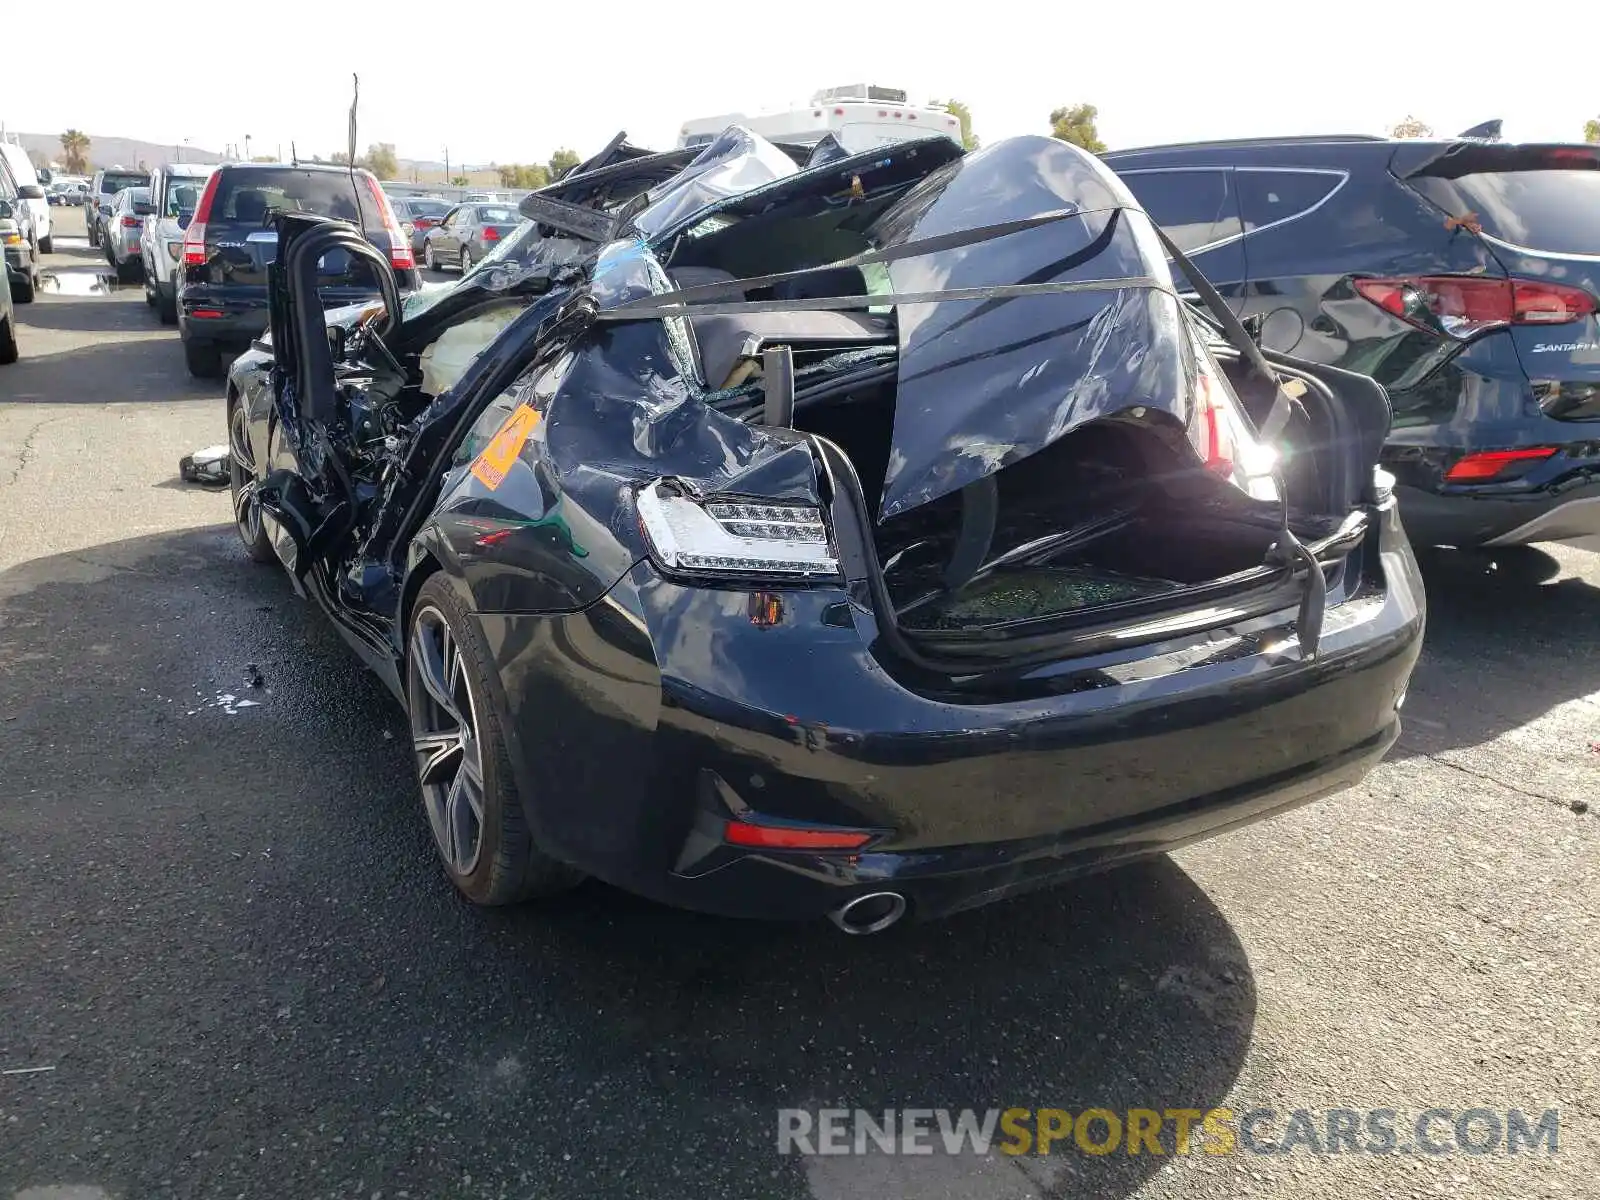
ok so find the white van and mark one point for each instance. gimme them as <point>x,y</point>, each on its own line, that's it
<point>22,171</point>
<point>860,116</point>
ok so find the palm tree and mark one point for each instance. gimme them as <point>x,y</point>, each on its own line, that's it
<point>75,147</point>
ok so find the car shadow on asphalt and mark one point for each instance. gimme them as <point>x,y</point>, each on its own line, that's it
<point>598,1027</point>
<point>1507,641</point>
<point>107,312</point>
<point>150,370</point>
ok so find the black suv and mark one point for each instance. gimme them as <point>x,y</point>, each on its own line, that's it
<point>230,242</point>
<point>1461,274</point>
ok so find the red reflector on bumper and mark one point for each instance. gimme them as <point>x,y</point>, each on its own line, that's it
<point>205,312</point>
<point>1478,467</point>
<point>790,837</point>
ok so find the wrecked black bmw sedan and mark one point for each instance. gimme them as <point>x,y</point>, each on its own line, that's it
<point>782,533</point>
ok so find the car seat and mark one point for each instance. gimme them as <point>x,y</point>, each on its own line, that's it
<point>250,206</point>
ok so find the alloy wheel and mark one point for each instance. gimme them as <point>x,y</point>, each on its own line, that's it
<point>466,260</point>
<point>444,736</point>
<point>242,477</point>
<point>427,256</point>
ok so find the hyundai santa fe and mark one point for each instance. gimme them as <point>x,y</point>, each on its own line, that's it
<point>1462,274</point>
<point>868,537</point>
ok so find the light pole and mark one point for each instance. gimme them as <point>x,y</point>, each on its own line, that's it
<point>247,147</point>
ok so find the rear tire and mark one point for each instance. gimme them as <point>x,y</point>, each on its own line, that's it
<point>93,231</point>
<point>47,245</point>
<point>427,257</point>
<point>130,270</point>
<point>23,292</point>
<point>166,309</point>
<point>241,473</point>
<point>466,260</point>
<point>204,361</point>
<point>8,341</point>
<point>461,760</point>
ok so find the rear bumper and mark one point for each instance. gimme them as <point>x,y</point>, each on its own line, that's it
<point>798,887</point>
<point>233,316</point>
<point>19,261</point>
<point>1488,518</point>
<point>637,726</point>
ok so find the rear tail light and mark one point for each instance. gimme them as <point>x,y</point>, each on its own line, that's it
<point>194,237</point>
<point>130,222</point>
<point>400,256</point>
<point>1221,433</point>
<point>1465,305</point>
<point>1490,464</point>
<point>491,234</point>
<point>735,538</point>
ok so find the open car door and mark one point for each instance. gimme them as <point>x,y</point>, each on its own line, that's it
<point>307,510</point>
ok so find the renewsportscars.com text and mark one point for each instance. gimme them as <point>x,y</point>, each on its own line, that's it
<point>1216,1131</point>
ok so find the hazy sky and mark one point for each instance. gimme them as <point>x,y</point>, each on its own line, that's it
<point>511,82</point>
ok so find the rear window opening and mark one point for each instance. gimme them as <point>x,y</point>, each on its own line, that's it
<point>248,196</point>
<point>111,184</point>
<point>1556,211</point>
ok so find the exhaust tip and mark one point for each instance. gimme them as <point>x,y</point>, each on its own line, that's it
<point>872,913</point>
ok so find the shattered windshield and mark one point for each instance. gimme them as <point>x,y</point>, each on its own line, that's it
<point>736,162</point>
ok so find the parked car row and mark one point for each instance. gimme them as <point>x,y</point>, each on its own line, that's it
<point>200,238</point>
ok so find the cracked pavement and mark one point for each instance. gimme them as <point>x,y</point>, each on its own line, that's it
<point>224,941</point>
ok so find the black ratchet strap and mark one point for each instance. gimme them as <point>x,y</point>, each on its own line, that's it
<point>668,304</point>
<point>733,291</point>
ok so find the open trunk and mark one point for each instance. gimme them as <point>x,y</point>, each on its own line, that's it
<point>1118,524</point>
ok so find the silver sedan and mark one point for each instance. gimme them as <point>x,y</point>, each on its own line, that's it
<point>129,208</point>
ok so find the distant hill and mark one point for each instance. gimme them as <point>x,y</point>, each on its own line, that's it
<point>131,152</point>
<point>115,151</point>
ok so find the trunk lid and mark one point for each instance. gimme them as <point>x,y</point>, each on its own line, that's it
<point>984,383</point>
<point>1537,208</point>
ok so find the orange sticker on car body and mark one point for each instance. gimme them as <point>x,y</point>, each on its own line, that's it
<point>495,462</point>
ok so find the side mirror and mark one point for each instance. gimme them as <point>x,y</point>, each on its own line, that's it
<point>6,211</point>
<point>30,191</point>
<point>143,210</point>
<point>105,210</point>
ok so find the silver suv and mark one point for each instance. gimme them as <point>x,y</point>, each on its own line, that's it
<point>104,189</point>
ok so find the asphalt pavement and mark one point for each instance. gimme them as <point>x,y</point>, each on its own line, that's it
<point>230,967</point>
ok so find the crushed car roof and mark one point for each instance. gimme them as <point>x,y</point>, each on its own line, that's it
<point>1030,293</point>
